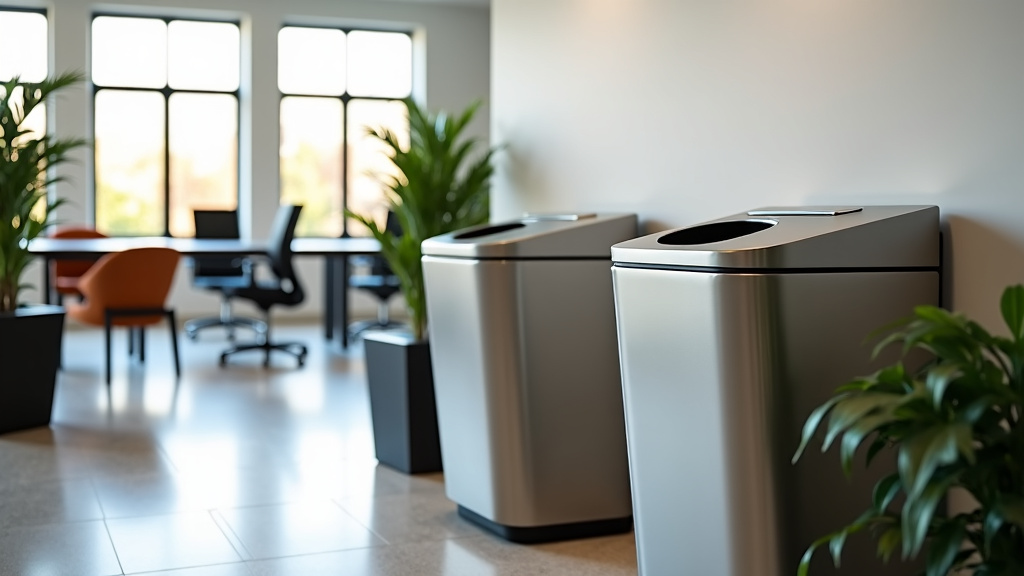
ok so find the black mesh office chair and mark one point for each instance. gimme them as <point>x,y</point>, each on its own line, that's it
<point>381,282</point>
<point>220,274</point>
<point>283,290</point>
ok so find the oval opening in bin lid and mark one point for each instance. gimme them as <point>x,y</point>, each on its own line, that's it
<point>488,230</point>
<point>715,232</point>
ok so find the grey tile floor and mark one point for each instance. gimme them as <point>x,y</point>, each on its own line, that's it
<point>238,471</point>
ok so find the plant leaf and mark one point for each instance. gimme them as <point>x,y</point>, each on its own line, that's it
<point>889,541</point>
<point>938,379</point>
<point>812,423</point>
<point>885,491</point>
<point>945,545</point>
<point>918,513</point>
<point>1012,307</point>
<point>856,434</point>
<point>922,453</point>
<point>853,408</point>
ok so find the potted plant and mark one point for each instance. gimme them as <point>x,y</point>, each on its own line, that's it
<point>440,184</point>
<point>956,425</point>
<point>26,160</point>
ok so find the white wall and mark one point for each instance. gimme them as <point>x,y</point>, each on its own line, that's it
<point>687,110</point>
<point>452,48</point>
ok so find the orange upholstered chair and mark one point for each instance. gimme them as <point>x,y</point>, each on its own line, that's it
<point>129,289</point>
<point>67,272</point>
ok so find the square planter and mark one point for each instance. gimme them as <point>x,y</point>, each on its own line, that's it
<point>30,352</point>
<point>402,406</point>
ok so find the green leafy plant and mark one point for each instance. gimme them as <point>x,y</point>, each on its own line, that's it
<point>441,186</point>
<point>25,161</point>
<point>956,424</point>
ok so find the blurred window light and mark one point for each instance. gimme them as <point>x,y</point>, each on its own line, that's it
<point>335,85</point>
<point>165,123</point>
<point>25,51</point>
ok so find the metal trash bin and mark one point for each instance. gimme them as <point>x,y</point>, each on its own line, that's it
<point>526,375</point>
<point>730,333</point>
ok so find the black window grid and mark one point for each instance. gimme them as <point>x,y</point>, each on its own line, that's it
<point>166,91</point>
<point>344,98</point>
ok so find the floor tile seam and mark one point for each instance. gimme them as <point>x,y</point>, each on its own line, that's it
<point>322,552</point>
<point>110,538</point>
<point>99,503</point>
<point>175,512</point>
<point>232,537</point>
<point>363,524</point>
<point>243,563</point>
<point>163,452</point>
<point>269,504</point>
<point>331,500</point>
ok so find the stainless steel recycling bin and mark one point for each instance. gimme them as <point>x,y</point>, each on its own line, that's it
<point>526,375</point>
<point>730,333</point>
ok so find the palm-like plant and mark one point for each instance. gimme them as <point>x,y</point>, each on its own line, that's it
<point>441,185</point>
<point>25,160</point>
<point>956,424</point>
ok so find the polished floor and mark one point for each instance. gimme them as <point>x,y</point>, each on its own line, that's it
<point>238,471</point>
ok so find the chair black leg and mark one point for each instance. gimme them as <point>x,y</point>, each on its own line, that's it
<point>264,343</point>
<point>107,328</point>
<point>142,344</point>
<point>174,342</point>
<point>131,341</point>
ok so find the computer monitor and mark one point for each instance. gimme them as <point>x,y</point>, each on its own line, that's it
<point>216,224</point>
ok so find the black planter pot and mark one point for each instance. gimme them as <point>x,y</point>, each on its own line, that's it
<point>402,402</point>
<point>30,351</point>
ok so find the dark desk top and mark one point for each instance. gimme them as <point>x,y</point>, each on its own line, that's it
<point>95,247</point>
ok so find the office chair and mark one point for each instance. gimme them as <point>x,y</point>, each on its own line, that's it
<point>66,273</point>
<point>285,289</point>
<point>220,274</point>
<point>130,289</point>
<point>381,283</point>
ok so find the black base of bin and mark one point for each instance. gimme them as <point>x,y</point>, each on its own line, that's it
<point>551,533</point>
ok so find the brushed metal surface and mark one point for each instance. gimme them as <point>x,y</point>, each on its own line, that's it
<point>528,389</point>
<point>719,373</point>
<point>875,237</point>
<point>586,236</point>
<point>804,211</point>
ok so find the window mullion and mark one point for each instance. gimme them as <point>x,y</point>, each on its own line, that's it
<point>344,164</point>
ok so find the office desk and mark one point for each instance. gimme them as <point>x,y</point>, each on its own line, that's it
<point>335,252</point>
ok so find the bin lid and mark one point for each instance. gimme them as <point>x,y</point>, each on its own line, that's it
<point>797,237</point>
<point>584,235</point>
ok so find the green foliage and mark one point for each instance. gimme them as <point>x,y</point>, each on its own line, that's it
<point>440,187</point>
<point>956,425</point>
<point>25,157</point>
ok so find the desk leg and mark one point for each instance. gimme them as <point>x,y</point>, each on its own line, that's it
<point>330,263</point>
<point>343,301</point>
<point>46,280</point>
<point>336,272</point>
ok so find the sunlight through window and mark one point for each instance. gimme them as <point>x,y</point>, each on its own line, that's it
<point>327,161</point>
<point>25,45</point>
<point>152,73</point>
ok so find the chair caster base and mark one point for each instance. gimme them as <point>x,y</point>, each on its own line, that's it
<point>192,327</point>
<point>293,348</point>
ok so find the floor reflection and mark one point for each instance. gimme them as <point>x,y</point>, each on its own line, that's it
<point>237,470</point>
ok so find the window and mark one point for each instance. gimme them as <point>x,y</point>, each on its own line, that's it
<point>25,53</point>
<point>165,122</point>
<point>25,48</point>
<point>335,83</point>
